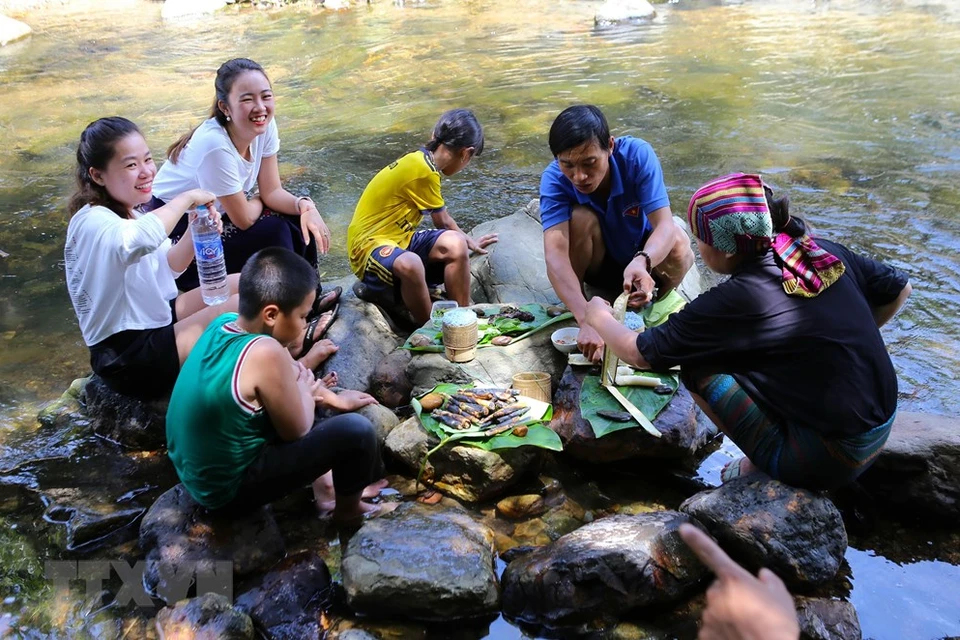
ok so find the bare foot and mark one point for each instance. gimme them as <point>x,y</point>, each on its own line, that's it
<point>736,468</point>
<point>373,490</point>
<point>361,511</point>
<point>330,380</point>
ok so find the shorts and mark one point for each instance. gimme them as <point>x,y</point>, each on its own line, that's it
<point>609,276</point>
<point>798,456</point>
<point>141,363</point>
<point>378,271</point>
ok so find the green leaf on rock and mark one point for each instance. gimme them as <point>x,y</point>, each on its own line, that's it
<point>594,398</point>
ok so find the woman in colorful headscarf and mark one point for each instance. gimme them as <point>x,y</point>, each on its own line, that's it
<point>785,356</point>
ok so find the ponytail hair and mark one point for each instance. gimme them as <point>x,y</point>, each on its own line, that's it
<point>97,147</point>
<point>227,74</point>
<point>779,209</point>
<point>457,129</point>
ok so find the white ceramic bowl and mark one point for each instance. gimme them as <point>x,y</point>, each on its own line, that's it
<point>565,340</point>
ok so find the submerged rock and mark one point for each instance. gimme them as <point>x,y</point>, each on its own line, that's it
<point>210,617</point>
<point>287,602</point>
<point>466,472</point>
<point>135,424</point>
<point>420,562</point>
<point>602,571</point>
<point>67,409</point>
<point>180,538</point>
<point>364,336</point>
<point>525,506</point>
<point>918,469</point>
<point>795,533</point>
<point>513,271</point>
<point>683,434</point>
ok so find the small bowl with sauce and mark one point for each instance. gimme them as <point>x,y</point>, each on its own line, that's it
<point>565,340</point>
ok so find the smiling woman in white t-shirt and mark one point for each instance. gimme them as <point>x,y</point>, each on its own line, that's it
<point>121,266</point>
<point>230,154</point>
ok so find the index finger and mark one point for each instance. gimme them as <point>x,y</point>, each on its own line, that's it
<point>711,554</point>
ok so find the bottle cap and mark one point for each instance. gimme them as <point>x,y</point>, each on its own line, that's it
<point>201,208</point>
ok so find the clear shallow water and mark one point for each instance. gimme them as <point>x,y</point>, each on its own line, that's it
<point>851,106</point>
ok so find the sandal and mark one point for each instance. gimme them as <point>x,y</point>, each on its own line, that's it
<point>314,332</point>
<point>731,470</point>
<point>324,301</point>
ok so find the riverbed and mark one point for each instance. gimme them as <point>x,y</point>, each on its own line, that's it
<point>851,106</point>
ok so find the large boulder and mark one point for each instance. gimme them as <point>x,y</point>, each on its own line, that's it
<point>683,433</point>
<point>468,473</point>
<point>209,617</point>
<point>287,602</point>
<point>424,563</point>
<point>613,11</point>
<point>513,271</point>
<point>493,366</point>
<point>797,534</point>
<point>135,424</point>
<point>826,619</point>
<point>12,30</point>
<point>182,539</point>
<point>173,9</point>
<point>919,468</point>
<point>364,335</point>
<point>602,571</point>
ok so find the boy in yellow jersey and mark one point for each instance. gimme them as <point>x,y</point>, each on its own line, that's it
<point>387,253</point>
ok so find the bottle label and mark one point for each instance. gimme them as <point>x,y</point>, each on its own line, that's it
<point>208,248</point>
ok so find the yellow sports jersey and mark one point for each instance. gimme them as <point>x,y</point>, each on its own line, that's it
<point>392,206</point>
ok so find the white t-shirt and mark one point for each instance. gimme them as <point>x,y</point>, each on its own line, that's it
<point>118,276</point>
<point>211,162</point>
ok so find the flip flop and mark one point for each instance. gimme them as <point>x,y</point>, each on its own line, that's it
<point>314,333</point>
<point>325,301</point>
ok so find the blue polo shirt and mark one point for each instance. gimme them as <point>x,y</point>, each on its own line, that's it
<point>636,190</point>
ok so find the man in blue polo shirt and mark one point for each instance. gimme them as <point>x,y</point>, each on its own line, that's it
<point>606,218</point>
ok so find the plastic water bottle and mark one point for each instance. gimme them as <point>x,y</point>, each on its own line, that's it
<point>209,251</point>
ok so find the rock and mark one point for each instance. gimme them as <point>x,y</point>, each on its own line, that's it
<point>919,468</point>
<point>209,617</point>
<point>602,571</point>
<point>364,336</point>
<point>388,381</point>
<point>67,409</point>
<point>179,535</point>
<point>421,562</point>
<point>468,473</point>
<point>287,602</point>
<point>825,619</point>
<point>11,30</point>
<point>135,424</point>
<point>517,507</point>
<point>613,11</point>
<point>493,366</point>
<point>795,533</point>
<point>173,9</point>
<point>86,526</point>
<point>514,270</point>
<point>17,493</point>
<point>683,434</point>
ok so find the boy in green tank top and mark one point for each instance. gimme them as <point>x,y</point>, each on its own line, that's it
<point>241,430</point>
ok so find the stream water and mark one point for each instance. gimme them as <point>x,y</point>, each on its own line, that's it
<point>852,106</point>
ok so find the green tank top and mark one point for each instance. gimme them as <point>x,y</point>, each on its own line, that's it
<point>213,435</point>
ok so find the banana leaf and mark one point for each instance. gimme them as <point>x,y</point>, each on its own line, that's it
<point>512,327</point>
<point>594,398</point>
<point>538,434</point>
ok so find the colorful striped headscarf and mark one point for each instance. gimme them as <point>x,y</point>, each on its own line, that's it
<point>731,215</point>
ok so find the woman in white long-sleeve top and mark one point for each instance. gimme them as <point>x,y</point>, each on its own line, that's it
<point>121,267</point>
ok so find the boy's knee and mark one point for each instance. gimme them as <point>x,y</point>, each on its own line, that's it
<point>409,265</point>
<point>452,246</point>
